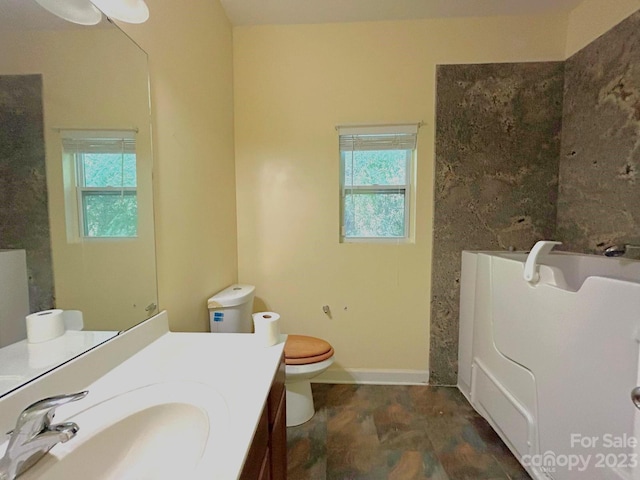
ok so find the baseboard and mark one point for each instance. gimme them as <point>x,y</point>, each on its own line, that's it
<point>374,376</point>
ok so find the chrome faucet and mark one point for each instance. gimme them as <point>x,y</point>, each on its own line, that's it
<point>629,251</point>
<point>615,251</point>
<point>34,435</point>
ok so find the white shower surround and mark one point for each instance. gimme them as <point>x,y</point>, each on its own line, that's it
<point>559,358</point>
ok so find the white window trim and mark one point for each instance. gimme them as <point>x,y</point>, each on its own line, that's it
<point>77,163</point>
<point>379,130</point>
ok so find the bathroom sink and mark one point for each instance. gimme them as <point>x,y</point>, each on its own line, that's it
<point>160,431</point>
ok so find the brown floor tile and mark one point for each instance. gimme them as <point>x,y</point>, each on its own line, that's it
<point>360,457</point>
<point>370,432</point>
<point>307,449</point>
<point>462,451</point>
<point>498,449</point>
<point>303,463</point>
<point>401,429</point>
<point>437,401</point>
<point>416,465</point>
<point>362,397</point>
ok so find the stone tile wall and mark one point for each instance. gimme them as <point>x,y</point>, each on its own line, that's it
<point>498,142</point>
<point>497,146</point>
<point>24,216</point>
<point>599,197</point>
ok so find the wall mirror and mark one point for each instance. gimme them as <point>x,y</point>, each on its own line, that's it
<point>75,181</point>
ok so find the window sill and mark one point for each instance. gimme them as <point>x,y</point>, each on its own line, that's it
<point>386,241</point>
<point>110,239</point>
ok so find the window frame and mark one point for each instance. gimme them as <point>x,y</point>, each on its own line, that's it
<point>81,191</point>
<point>406,189</point>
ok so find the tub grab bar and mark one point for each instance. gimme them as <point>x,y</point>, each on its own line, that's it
<point>540,249</point>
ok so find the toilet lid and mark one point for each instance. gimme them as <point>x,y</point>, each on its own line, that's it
<point>302,350</point>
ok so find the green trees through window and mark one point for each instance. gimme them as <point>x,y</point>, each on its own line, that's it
<point>107,190</point>
<point>375,193</point>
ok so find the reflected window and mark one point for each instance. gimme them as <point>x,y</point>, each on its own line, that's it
<point>100,171</point>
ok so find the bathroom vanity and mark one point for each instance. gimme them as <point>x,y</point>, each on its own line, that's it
<point>165,405</point>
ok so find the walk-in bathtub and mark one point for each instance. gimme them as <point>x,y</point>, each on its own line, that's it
<point>551,362</point>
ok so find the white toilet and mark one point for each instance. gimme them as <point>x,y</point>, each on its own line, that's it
<point>305,357</point>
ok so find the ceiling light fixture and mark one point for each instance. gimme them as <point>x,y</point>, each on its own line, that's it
<point>129,11</point>
<point>81,12</point>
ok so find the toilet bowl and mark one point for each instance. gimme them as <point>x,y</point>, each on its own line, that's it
<point>305,358</point>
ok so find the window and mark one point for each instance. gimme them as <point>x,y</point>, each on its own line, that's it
<point>376,178</point>
<point>101,173</point>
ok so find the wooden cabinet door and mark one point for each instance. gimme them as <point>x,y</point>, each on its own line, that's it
<point>279,442</point>
<point>265,471</point>
<point>258,451</point>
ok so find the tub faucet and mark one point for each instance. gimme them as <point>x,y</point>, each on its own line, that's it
<point>34,435</point>
<point>629,251</point>
<point>615,251</point>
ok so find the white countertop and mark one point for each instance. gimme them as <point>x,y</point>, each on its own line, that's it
<point>21,362</point>
<point>234,365</point>
<point>230,363</point>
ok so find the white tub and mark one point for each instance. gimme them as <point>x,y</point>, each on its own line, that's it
<point>551,365</point>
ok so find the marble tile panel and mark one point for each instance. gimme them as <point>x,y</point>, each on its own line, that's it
<point>599,200</point>
<point>497,148</point>
<point>24,214</point>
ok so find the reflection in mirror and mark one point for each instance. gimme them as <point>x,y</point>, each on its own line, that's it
<point>76,209</point>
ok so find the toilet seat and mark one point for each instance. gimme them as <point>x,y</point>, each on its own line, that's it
<point>305,350</point>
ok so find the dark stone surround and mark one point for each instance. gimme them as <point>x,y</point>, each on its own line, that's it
<point>497,148</point>
<point>599,197</point>
<point>24,214</point>
<point>494,185</point>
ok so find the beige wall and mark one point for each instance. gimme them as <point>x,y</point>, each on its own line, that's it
<point>293,84</point>
<point>190,63</point>
<point>92,78</point>
<point>592,18</point>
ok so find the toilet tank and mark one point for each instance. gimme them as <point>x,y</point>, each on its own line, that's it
<point>230,310</point>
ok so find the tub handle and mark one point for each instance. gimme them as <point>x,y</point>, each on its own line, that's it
<point>540,249</point>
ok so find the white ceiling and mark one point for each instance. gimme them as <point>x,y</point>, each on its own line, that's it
<point>278,12</point>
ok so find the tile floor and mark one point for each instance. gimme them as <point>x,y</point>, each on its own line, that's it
<point>370,432</point>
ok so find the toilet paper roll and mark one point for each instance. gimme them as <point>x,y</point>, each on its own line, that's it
<point>267,328</point>
<point>44,326</point>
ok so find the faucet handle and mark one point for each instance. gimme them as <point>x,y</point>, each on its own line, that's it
<point>41,412</point>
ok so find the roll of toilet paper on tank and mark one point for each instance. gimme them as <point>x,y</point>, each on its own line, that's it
<point>267,328</point>
<point>44,326</point>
